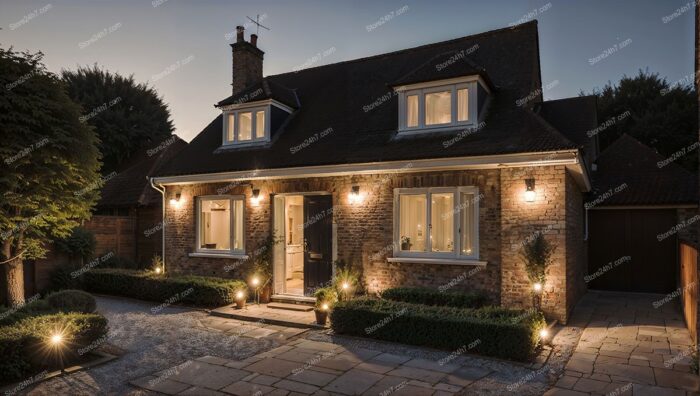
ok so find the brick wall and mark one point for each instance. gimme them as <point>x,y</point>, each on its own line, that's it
<point>365,231</point>
<point>576,247</point>
<point>522,220</point>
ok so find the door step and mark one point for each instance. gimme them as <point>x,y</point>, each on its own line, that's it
<point>290,307</point>
<point>291,299</point>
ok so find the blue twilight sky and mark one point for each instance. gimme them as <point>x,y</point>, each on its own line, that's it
<point>181,47</point>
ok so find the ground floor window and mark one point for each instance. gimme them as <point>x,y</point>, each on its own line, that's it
<point>220,224</point>
<point>436,222</point>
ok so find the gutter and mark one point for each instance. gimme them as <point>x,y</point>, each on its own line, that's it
<point>161,190</point>
<point>570,158</point>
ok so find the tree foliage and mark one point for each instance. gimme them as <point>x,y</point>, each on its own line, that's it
<point>50,162</point>
<point>661,115</point>
<point>127,116</point>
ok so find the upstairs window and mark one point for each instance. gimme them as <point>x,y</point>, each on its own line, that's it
<point>246,126</point>
<point>438,105</point>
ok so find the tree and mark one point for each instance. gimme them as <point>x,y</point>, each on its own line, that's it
<point>658,114</point>
<point>127,116</point>
<point>50,164</point>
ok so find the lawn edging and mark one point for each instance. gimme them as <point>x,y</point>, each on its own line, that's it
<point>489,331</point>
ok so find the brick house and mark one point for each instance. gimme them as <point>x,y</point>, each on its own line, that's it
<point>428,166</point>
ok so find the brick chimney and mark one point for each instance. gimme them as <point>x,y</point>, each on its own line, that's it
<point>247,61</point>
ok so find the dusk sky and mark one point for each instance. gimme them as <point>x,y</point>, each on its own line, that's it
<point>181,47</point>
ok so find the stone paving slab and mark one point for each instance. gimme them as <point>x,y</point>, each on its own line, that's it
<point>627,346</point>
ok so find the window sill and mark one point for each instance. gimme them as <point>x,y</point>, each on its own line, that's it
<point>444,261</point>
<point>220,255</point>
<point>436,129</point>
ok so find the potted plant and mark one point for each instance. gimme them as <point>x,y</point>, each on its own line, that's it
<point>262,267</point>
<point>240,298</point>
<point>405,243</point>
<point>326,297</point>
<point>537,254</point>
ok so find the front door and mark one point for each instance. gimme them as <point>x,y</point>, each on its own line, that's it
<point>318,229</point>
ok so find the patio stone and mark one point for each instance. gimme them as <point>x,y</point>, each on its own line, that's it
<point>566,382</point>
<point>274,367</point>
<point>312,377</point>
<point>197,391</point>
<point>589,385</point>
<point>165,386</point>
<point>645,390</point>
<point>642,375</point>
<point>431,365</point>
<point>242,388</point>
<point>353,382</point>
<point>675,379</point>
<point>387,384</point>
<point>263,379</point>
<point>259,333</point>
<point>377,367</point>
<point>466,375</point>
<point>391,358</point>
<point>296,387</point>
<point>564,392</point>
<point>418,374</point>
<point>207,375</point>
<point>338,362</point>
<point>213,360</point>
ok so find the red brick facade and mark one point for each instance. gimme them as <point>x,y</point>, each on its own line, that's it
<point>365,231</point>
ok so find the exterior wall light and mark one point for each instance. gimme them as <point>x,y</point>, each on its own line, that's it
<point>537,287</point>
<point>256,198</point>
<point>354,196</point>
<point>530,190</point>
<point>176,199</point>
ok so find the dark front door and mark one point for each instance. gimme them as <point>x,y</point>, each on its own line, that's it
<point>629,252</point>
<point>318,230</point>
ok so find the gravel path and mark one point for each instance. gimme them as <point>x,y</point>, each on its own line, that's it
<point>150,342</point>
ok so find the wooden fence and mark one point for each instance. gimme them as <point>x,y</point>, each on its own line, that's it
<point>689,283</point>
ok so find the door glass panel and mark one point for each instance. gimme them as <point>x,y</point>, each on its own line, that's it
<point>467,223</point>
<point>412,222</point>
<point>438,108</point>
<point>442,222</point>
<point>215,224</point>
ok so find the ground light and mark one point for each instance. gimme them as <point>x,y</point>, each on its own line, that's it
<point>324,307</point>
<point>537,287</point>
<point>56,342</point>
<point>544,333</point>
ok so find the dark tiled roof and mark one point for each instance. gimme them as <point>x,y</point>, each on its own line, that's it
<point>631,164</point>
<point>265,89</point>
<point>574,117</point>
<point>131,186</point>
<point>354,102</point>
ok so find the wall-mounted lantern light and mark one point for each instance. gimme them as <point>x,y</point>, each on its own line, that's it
<point>175,200</point>
<point>530,190</point>
<point>354,196</point>
<point>256,197</point>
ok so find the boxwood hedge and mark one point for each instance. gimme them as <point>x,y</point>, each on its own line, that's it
<point>491,331</point>
<point>193,290</point>
<point>23,345</point>
<point>420,295</point>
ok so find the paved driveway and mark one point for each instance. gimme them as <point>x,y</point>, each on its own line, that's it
<point>629,344</point>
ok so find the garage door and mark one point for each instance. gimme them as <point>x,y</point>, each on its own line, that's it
<point>625,253</point>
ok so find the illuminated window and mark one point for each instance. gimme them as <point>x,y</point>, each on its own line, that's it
<point>463,104</point>
<point>246,126</point>
<point>436,222</point>
<point>412,111</point>
<point>438,108</point>
<point>220,224</point>
<point>259,124</point>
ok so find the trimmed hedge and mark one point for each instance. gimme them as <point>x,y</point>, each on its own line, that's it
<point>420,295</point>
<point>23,345</point>
<point>193,290</point>
<point>491,331</point>
<point>10,316</point>
<point>72,301</point>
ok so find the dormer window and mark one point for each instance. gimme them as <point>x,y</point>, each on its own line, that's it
<point>246,125</point>
<point>439,105</point>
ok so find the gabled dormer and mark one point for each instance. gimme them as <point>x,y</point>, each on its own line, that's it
<point>258,106</point>
<point>446,93</point>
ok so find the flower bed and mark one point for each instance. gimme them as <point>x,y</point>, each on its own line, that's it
<point>193,290</point>
<point>420,295</point>
<point>491,331</point>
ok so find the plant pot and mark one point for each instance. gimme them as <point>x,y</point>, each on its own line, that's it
<point>321,316</point>
<point>240,304</point>
<point>265,293</point>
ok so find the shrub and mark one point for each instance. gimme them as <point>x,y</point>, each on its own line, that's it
<point>23,344</point>
<point>13,315</point>
<point>194,290</point>
<point>81,243</point>
<point>326,295</point>
<point>122,262</point>
<point>427,296</point>
<point>72,301</point>
<point>491,331</point>
<point>62,278</point>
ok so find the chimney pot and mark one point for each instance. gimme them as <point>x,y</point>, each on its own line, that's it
<point>254,40</point>
<point>239,33</point>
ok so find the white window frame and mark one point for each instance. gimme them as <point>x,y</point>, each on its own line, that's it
<point>236,120</point>
<point>232,224</point>
<point>453,85</point>
<point>457,200</point>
